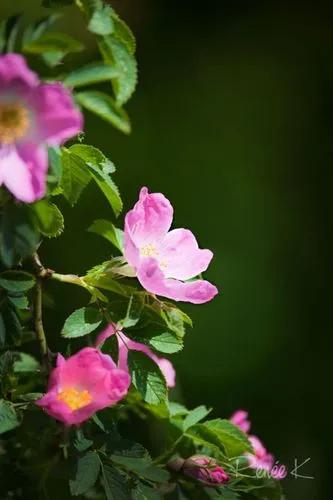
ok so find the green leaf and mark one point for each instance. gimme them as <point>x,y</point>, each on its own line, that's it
<point>18,236</point>
<point>49,219</point>
<point>166,342</point>
<point>106,281</point>
<point>34,31</point>
<point>55,171</point>
<point>177,409</point>
<point>133,312</point>
<point>2,331</point>
<point>17,281</point>
<point>101,22</point>
<point>123,33</point>
<point>13,325</point>
<point>52,58</point>
<point>147,378</point>
<point>99,167</point>
<point>75,176</point>
<point>90,74</point>
<point>115,484</point>
<point>53,42</point>
<point>2,36</point>
<point>18,300</point>
<point>175,319</point>
<point>105,107</point>
<point>194,416</point>
<point>81,443</point>
<point>93,156</point>
<point>6,363</point>
<point>235,441</point>
<point>8,417</point>
<point>81,322</point>
<point>116,53</point>
<point>223,434</point>
<point>87,471</point>
<point>106,229</point>
<point>12,28</point>
<point>144,492</point>
<point>108,187</point>
<point>142,466</point>
<point>25,363</point>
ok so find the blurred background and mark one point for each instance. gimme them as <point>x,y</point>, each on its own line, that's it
<point>232,121</point>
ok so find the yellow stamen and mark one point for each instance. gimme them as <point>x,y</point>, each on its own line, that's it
<point>14,122</point>
<point>148,250</point>
<point>75,399</point>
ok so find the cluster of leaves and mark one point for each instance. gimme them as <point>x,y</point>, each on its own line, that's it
<point>117,66</point>
<point>96,461</point>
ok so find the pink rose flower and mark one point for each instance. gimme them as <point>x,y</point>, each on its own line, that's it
<point>125,344</point>
<point>33,116</point>
<point>164,260</point>
<point>260,459</point>
<point>240,418</point>
<point>81,385</point>
<point>205,469</point>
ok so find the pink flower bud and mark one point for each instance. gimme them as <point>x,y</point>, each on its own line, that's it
<point>205,469</point>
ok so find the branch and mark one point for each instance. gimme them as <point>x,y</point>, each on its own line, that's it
<point>41,273</point>
<point>38,319</point>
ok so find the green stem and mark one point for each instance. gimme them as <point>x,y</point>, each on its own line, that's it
<point>38,317</point>
<point>68,278</point>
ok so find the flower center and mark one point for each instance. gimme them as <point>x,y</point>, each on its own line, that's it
<point>149,250</point>
<point>14,122</point>
<point>74,399</point>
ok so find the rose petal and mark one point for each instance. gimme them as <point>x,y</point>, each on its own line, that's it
<point>182,256</point>
<point>152,279</point>
<point>57,119</point>
<point>23,171</point>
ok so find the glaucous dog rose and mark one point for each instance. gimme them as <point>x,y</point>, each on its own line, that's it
<point>33,115</point>
<point>201,467</point>
<point>125,344</point>
<point>260,459</point>
<point>165,260</point>
<point>81,385</point>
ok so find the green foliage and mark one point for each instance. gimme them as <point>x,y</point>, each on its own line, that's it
<point>16,281</point>
<point>116,53</point>
<point>35,30</point>
<point>24,363</point>
<point>105,107</point>
<point>75,176</point>
<point>53,47</point>
<point>147,378</point>
<point>101,22</point>
<point>87,471</point>
<point>49,219</point>
<point>80,165</point>
<point>221,434</point>
<point>90,74</point>
<point>8,417</point>
<point>115,483</point>
<point>8,33</point>
<point>18,235</point>
<point>81,322</point>
<point>106,229</point>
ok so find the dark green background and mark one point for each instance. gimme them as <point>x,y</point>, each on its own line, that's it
<point>232,121</point>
